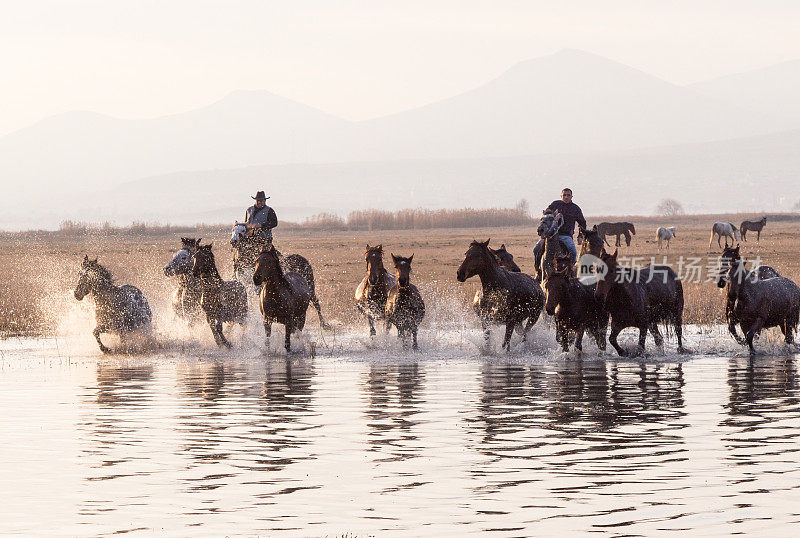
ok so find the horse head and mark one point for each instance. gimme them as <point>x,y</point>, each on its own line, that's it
<point>203,263</point>
<point>373,259</point>
<point>402,267</point>
<point>477,257</point>
<point>89,276</point>
<point>182,260</point>
<point>549,224</point>
<point>606,278</point>
<point>555,285</point>
<point>268,265</point>
<point>505,259</point>
<point>237,233</point>
<point>728,260</point>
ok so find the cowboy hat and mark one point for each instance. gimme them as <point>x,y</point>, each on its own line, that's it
<point>260,196</point>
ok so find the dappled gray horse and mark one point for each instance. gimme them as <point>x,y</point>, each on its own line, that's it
<point>665,234</point>
<point>119,310</point>
<point>186,297</point>
<point>726,230</point>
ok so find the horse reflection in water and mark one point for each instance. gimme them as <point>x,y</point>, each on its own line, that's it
<point>394,394</point>
<point>570,416</point>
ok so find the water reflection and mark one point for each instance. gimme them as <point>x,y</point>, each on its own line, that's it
<point>394,400</point>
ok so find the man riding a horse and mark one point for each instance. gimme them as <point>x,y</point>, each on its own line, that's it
<point>570,213</point>
<point>260,219</point>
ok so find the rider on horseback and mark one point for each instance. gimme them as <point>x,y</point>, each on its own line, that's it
<point>571,214</point>
<point>260,219</point>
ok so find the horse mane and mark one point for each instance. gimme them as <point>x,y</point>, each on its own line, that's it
<point>486,250</point>
<point>101,271</point>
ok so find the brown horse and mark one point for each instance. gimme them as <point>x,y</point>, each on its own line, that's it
<point>759,304</point>
<point>575,307</point>
<point>752,226</point>
<point>729,255</point>
<point>284,297</point>
<point>373,291</point>
<point>120,310</point>
<point>221,301</point>
<point>508,297</point>
<point>641,298</point>
<point>590,241</point>
<point>618,229</point>
<point>404,305</point>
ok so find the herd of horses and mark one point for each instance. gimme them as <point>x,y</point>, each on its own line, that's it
<point>616,296</point>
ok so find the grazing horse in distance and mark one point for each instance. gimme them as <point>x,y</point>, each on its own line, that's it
<point>508,297</point>
<point>618,229</point>
<point>726,230</point>
<point>373,291</point>
<point>120,310</point>
<point>665,234</point>
<point>186,298</point>
<point>404,305</point>
<point>754,226</point>
<point>506,259</point>
<point>221,301</point>
<point>284,295</point>
<point>759,304</point>
<point>641,298</point>
<point>247,250</point>
<point>575,307</point>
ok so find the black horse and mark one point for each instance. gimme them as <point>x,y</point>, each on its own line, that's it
<point>641,298</point>
<point>508,297</point>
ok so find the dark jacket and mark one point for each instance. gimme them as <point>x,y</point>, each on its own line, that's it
<point>265,216</point>
<point>572,214</point>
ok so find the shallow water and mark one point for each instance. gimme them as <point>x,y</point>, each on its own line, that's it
<point>394,443</point>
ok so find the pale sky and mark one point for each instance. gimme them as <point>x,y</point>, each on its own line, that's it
<point>354,59</point>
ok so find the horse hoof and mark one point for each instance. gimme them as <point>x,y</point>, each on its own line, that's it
<point>105,350</point>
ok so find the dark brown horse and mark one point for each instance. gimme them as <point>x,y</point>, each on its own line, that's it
<point>575,307</point>
<point>221,301</point>
<point>506,259</point>
<point>284,295</point>
<point>728,257</point>
<point>590,241</point>
<point>752,226</point>
<point>508,297</point>
<point>404,306</point>
<point>120,310</point>
<point>641,298</point>
<point>618,229</point>
<point>373,291</point>
<point>759,304</point>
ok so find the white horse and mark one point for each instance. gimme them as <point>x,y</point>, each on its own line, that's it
<point>726,230</point>
<point>665,234</point>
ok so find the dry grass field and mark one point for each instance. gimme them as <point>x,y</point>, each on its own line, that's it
<point>39,271</point>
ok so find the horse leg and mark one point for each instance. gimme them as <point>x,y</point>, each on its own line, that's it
<point>267,331</point>
<point>642,339</point>
<point>528,326</point>
<point>612,338</point>
<point>222,340</point>
<point>371,325</point>
<point>287,340</point>
<point>486,331</point>
<point>414,337</point>
<point>657,338</point>
<point>562,335</point>
<point>599,334</point>
<point>755,328</point>
<point>627,238</point>
<point>96,332</point>
<point>509,331</point>
<point>619,241</point>
<point>579,338</point>
<point>732,322</point>
<point>322,322</point>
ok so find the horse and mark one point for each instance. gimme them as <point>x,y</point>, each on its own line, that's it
<point>723,229</point>
<point>618,229</point>
<point>641,298</point>
<point>505,259</point>
<point>120,310</point>
<point>373,290</point>
<point>548,228</point>
<point>220,300</point>
<point>404,305</point>
<point>758,303</point>
<point>284,296</point>
<point>665,234</point>
<point>575,307</point>
<point>508,297</point>
<point>590,241</point>
<point>752,225</point>
<point>247,248</point>
<point>186,298</point>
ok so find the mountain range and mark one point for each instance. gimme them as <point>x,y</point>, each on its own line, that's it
<point>570,116</point>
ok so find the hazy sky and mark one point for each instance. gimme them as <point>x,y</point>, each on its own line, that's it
<point>146,58</point>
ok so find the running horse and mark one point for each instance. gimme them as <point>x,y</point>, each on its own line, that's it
<point>284,295</point>
<point>508,297</point>
<point>757,303</point>
<point>121,310</point>
<point>220,300</point>
<point>247,249</point>
<point>186,298</point>
<point>404,305</point>
<point>373,290</point>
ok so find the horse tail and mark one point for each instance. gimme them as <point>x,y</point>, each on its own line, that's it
<point>711,240</point>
